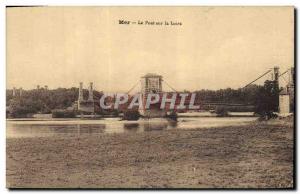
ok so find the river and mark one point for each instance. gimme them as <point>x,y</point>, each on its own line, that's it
<point>17,128</point>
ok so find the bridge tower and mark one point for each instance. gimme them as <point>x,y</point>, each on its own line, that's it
<point>80,94</point>
<point>85,106</point>
<point>91,98</point>
<point>151,83</point>
<point>286,96</point>
<point>275,74</point>
<point>14,91</point>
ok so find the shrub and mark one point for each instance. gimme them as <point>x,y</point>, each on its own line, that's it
<point>63,114</point>
<point>131,115</point>
<point>267,100</point>
<point>173,116</point>
<point>222,111</point>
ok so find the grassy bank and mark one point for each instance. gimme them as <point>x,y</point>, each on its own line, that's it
<point>257,155</point>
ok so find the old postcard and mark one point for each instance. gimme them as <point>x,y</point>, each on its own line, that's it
<point>150,97</point>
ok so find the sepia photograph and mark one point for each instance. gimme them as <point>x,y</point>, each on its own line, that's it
<point>150,97</point>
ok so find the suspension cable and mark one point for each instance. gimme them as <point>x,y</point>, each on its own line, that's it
<point>132,87</point>
<point>258,78</point>
<point>284,72</point>
<point>284,79</point>
<point>170,86</point>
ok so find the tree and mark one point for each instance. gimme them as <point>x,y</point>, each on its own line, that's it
<point>267,99</point>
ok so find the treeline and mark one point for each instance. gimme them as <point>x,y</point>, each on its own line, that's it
<point>42,100</point>
<point>264,98</point>
<point>245,96</point>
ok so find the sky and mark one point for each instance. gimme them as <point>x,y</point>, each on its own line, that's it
<point>214,48</point>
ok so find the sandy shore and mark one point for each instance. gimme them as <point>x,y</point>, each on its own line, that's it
<point>253,156</point>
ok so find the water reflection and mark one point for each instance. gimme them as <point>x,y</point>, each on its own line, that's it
<point>31,130</point>
<point>91,129</point>
<point>79,128</point>
<point>173,123</point>
<point>131,127</point>
<point>113,125</point>
<point>149,126</point>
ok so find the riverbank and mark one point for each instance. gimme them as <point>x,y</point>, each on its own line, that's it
<point>258,155</point>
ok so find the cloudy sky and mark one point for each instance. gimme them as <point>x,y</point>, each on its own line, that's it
<point>215,47</point>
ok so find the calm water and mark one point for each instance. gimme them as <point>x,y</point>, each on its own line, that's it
<point>40,128</point>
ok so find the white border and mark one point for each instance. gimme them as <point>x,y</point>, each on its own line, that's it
<point>4,3</point>
<point>153,2</point>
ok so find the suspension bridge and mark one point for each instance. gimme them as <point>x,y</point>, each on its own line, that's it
<point>153,83</point>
